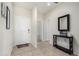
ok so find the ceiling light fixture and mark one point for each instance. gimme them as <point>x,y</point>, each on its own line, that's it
<point>48,4</point>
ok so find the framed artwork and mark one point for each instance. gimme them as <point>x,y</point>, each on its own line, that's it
<point>7,17</point>
<point>64,23</point>
<point>3,10</point>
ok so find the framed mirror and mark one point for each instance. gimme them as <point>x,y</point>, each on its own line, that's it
<point>64,23</point>
<point>7,18</point>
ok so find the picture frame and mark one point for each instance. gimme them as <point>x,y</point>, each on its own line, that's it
<point>3,10</point>
<point>7,17</point>
<point>64,23</point>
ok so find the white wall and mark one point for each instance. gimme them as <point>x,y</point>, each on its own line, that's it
<point>22,21</point>
<point>6,36</point>
<point>34,32</point>
<point>51,21</point>
<point>1,32</point>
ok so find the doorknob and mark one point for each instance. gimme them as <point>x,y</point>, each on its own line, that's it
<point>28,30</point>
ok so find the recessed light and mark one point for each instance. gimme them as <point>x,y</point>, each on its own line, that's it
<point>48,4</point>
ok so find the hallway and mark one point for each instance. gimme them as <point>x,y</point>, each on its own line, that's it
<point>39,24</point>
<point>44,49</point>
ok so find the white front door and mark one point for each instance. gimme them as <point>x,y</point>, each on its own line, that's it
<point>22,31</point>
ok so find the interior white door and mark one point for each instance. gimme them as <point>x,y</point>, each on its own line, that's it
<point>39,31</point>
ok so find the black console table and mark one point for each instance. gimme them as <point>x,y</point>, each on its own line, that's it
<point>70,50</point>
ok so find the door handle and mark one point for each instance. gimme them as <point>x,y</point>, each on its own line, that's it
<point>28,30</point>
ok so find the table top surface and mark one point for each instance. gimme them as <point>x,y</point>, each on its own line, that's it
<point>63,36</point>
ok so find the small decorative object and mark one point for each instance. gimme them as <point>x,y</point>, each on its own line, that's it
<point>3,10</point>
<point>7,18</point>
<point>64,33</point>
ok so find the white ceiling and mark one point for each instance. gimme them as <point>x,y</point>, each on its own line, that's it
<point>43,7</point>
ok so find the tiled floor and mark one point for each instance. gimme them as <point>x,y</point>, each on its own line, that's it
<point>44,49</point>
